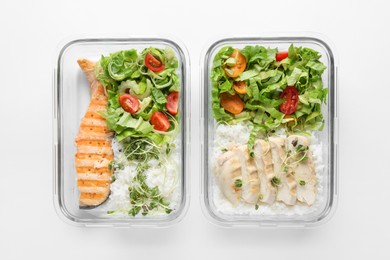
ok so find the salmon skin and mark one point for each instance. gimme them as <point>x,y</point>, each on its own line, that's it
<point>94,146</point>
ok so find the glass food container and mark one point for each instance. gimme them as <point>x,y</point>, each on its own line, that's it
<point>71,99</point>
<point>216,208</point>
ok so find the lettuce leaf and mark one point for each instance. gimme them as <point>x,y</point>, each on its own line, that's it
<point>158,96</point>
<point>122,64</point>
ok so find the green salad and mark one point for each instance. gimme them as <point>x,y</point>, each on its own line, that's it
<point>125,72</point>
<point>269,89</point>
<point>142,111</point>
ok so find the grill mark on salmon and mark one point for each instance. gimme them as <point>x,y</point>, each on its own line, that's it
<point>94,147</point>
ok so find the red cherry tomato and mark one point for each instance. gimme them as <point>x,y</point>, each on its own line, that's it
<point>153,63</point>
<point>160,121</point>
<point>129,103</point>
<point>172,103</point>
<point>281,55</point>
<point>289,106</point>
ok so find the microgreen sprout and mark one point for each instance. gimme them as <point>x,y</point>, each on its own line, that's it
<point>114,165</point>
<point>275,181</point>
<point>140,149</point>
<point>301,148</point>
<point>143,198</point>
<point>238,183</point>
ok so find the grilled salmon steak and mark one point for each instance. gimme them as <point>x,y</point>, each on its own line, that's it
<point>93,141</point>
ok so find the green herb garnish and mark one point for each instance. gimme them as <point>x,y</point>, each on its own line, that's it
<point>301,152</point>
<point>302,183</point>
<point>238,183</point>
<point>114,165</point>
<point>140,149</point>
<point>301,148</point>
<point>275,181</point>
<point>143,198</point>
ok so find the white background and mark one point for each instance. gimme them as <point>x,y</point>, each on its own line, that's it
<point>30,32</point>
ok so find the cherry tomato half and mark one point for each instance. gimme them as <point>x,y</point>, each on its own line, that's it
<point>236,70</point>
<point>172,103</point>
<point>153,63</point>
<point>129,103</point>
<point>160,121</point>
<point>281,55</point>
<point>289,106</point>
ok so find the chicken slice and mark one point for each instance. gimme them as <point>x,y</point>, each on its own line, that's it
<point>285,181</point>
<point>302,166</point>
<point>228,173</point>
<point>265,169</point>
<point>250,178</point>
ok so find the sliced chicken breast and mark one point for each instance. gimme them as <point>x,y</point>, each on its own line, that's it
<point>250,177</point>
<point>302,167</point>
<point>228,173</point>
<point>286,186</point>
<point>265,170</point>
<point>282,170</point>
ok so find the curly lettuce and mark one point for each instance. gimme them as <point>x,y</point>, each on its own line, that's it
<point>116,67</point>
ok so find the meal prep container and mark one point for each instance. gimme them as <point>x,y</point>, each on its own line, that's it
<point>328,137</point>
<point>71,99</point>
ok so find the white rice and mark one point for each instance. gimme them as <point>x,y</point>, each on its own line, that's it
<point>227,136</point>
<point>164,175</point>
